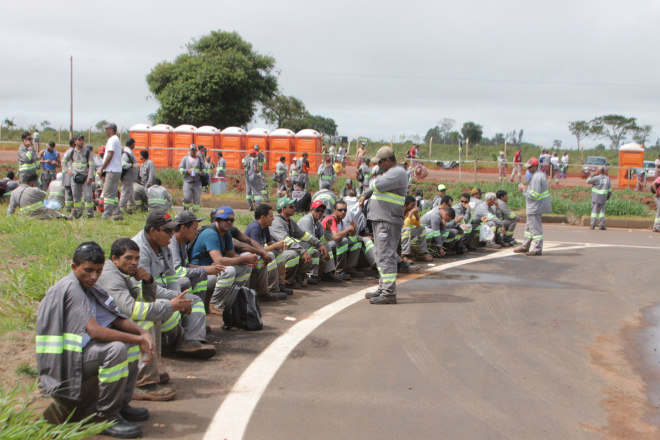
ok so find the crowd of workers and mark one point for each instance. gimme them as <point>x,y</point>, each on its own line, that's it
<point>110,319</point>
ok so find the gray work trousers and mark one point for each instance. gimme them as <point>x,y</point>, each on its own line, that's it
<point>408,234</point>
<point>141,198</point>
<point>386,241</point>
<point>533,233</point>
<point>264,187</point>
<point>313,268</point>
<point>597,213</point>
<point>339,250</point>
<point>366,247</point>
<point>110,362</point>
<point>290,259</point>
<point>253,192</point>
<point>194,325</point>
<point>238,275</point>
<point>82,198</point>
<point>264,277</point>
<point>127,195</point>
<point>68,198</point>
<point>192,195</point>
<point>111,196</point>
<point>509,226</point>
<point>304,177</point>
<point>46,177</point>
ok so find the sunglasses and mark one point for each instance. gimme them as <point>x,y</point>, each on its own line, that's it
<point>340,210</point>
<point>167,231</point>
<point>228,220</point>
<point>465,201</point>
<point>290,206</point>
<point>319,210</point>
<point>28,139</point>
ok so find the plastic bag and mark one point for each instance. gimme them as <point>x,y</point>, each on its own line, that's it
<point>53,204</point>
<point>486,233</point>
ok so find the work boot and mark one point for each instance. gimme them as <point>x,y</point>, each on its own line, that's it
<point>375,294</point>
<point>355,273</point>
<point>592,227</point>
<point>133,414</point>
<point>123,429</point>
<point>164,378</point>
<point>520,250</point>
<point>460,250</point>
<point>533,254</point>
<point>343,276</point>
<point>470,248</point>
<point>285,289</point>
<point>311,280</point>
<point>332,278</point>
<point>383,300</point>
<point>493,245</point>
<point>153,392</point>
<point>603,228</point>
<point>195,349</point>
<point>270,297</point>
<point>424,257</point>
<point>302,279</point>
<point>294,283</point>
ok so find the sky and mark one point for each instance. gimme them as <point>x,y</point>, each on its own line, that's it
<point>379,69</point>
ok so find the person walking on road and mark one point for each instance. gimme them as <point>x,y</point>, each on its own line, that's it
<point>601,191</point>
<point>517,165</point>
<point>112,168</point>
<point>387,196</point>
<point>191,166</point>
<point>538,203</point>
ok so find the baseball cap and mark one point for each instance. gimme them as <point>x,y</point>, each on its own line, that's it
<point>222,212</point>
<point>130,141</point>
<point>110,125</point>
<point>281,203</point>
<point>193,147</point>
<point>78,136</point>
<point>349,181</point>
<point>328,159</point>
<point>441,187</point>
<point>383,153</point>
<point>476,191</point>
<point>253,151</point>
<point>102,149</point>
<point>532,162</point>
<point>317,204</point>
<point>186,217</point>
<point>367,159</point>
<point>160,219</point>
<point>288,178</point>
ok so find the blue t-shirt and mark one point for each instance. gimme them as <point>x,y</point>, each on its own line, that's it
<point>209,240</point>
<point>49,156</point>
<point>254,231</point>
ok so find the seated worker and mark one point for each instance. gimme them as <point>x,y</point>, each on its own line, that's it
<point>327,174</point>
<point>29,199</point>
<point>442,191</point>
<point>484,213</point>
<point>215,245</point>
<point>56,190</point>
<point>310,223</point>
<point>344,229</point>
<point>509,218</point>
<point>413,229</point>
<point>10,184</point>
<point>347,189</point>
<point>185,232</point>
<point>422,203</point>
<point>328,198</point>
<point>302,197</point>
<point>286,188</point>
<point>475,198</point>
<point>437,234</point>
<point>141,197</point>
<point>81,334</point>
<point>284,262</point>
<point>453,240</point>
<point>156,259</point>
<point>121,280</point>
<point>285,228</point>
<point>159,197</point>
<point>462,221</point>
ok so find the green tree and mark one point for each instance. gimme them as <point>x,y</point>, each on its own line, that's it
<point>579,129</point>
<point>99,125</point>
<point>556,144</point>
<point>9,123</point>
<point>284,112</point>
<point>453,137</point>
<point>218,82</point>
<point>613,127</point>
<point>472,131</point>
<point>322,124</point>
<point>498,139</point>
<point>434,133</point>
<point>44,124</point>
<point>642,134</point>
<point>446,125</point>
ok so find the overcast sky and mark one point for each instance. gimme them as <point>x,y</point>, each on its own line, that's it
<point>378,69</point>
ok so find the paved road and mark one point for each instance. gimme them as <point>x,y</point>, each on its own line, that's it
<point>495,346</point>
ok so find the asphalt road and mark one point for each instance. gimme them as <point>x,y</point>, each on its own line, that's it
<point>492,345</point>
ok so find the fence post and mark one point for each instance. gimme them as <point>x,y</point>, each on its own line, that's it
<point>629,175</point>
<point>475,171</point>
<point>59,135</point>
<point>89,139</point>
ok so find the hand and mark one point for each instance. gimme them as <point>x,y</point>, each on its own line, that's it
<point>459,219</point>
<point>307,258</point>
<point>328,225</point>
<point>266,257</point>
<point>147,347</point>
<point>180,303</point>
<point>189,171</point>
<point>442,252</point>
<point>143,275</point>
<point>361,203</point>
<point>279,245</point>
<point>69,173</point>
<point>89,181</point>
<point>484,219</point>
<point>214,269</point>
<point>324,253</point>
<point>414,211</point>
<point>250,260</point>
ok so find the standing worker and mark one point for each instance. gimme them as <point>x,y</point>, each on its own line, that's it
<point>303,170</point>
<point>261,161</point>
<point>147,170</point>
<point>130,174</point>
<point>112,168</point>
<point>221,170</point>
<point>387,195</point>
<point>364,174</point>
<point>655,188</point>
<point>538,203</point>
<point>252,180</point>
<point>66,181</point>
<point>191,166</point>
<point>280,174</point>
<point>600,194</point>
<point>327,174</point>
<point>27,157</point>
<point>80,166</point>
<point>517,165</point>
<point>50,160</point>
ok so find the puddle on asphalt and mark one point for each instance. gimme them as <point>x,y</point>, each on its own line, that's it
<point>448,278</point>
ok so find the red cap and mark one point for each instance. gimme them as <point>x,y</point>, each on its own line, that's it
<point>102,149</point>
<point>317,204</point>
<point>253,152</point>
<point>532,162</point>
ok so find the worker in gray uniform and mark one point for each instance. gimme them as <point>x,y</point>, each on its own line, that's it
<point>311,224</point>
<point>280,174</point>
<point>387,195</point>
<point>221,169</point>
<point>484,214</point>
<point>66,180</point>
<point>509,218</point>
<point>192,166</point>
<point>29,199</point>
<point>601,191</point>
<point>158,196</point>
<point>327,174</point>
<point>261,162</point>
<point>27,157</point>
<point>252,180</point>
<point>462,222</point>
<point>302,165</point>
<point>364,174</point>
<point>131,172</point>
<point>56,190</point>
<point>538,203</point>
<point>79,164</point>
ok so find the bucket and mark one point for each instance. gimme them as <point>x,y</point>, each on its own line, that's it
<point>218,185</point>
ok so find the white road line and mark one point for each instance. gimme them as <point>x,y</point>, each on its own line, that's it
<point>232,418</point>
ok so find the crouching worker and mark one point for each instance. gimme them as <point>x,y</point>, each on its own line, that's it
<point>81,334</point>
<point>29,199</point>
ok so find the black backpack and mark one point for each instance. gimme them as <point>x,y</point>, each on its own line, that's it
<point>3,187</point>
<point>242,310</point>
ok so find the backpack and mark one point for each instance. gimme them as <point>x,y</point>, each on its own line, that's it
<point>242,310</point>
<point>125,170</point>
<point>191,245</point>
<point>3,187</point>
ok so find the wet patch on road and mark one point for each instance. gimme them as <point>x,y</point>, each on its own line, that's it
<point>448,278</point>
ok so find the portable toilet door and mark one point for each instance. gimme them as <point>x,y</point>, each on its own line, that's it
<point>631,156</point>
<point>309,141</point>
<point>259,136</point>
<point>234,144</point>
<point>142,134</point>
<point>282,143</point>
<point>184,136</point>
<point>206,135</point>
<point>160,145</point>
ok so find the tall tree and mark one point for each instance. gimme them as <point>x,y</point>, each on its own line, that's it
<point>434,133</point>
<point>472,131</point>
<point>284,111</point>
<point>99,125</point>
<point>445,125</point>
<point>642,134</point>
<point>322,124</point>
<point>520,136</point>
<point>579,129</point>
<point>556,144</point>
<point>218,82</point>
<point>498,139</point>
<point>512,137</point>
<point>613,127</point>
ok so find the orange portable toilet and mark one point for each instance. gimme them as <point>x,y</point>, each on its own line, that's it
<point>630,156</point>
<point>309,141</point>
<point>282,143</point>
<point>142,134</point>
<point>209,137</point>
<point>160,145</point>
<point>184,136</point>
<point>259,136</point>
<point>234,145</point>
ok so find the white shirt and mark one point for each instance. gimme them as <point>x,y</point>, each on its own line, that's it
<point>554,160</point>
<point>564,159</point>
<point>114,145</point>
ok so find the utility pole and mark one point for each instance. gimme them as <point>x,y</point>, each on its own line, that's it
<point>71,106</point>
